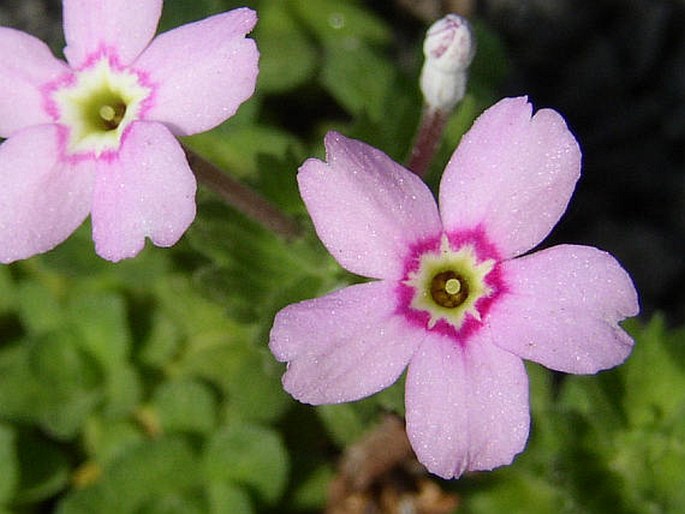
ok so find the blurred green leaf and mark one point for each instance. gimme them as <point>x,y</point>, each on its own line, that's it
<point>236,149</point>
<point>335,23</point>
<point>343,422</point>
<point>248,455</point>
<point>9,466</point>
<point>249,376</point>
<point>224,497</point>
<point>185,406</point>
<point>69,381</point>
<point>39,307</point>
<point>490,65</point>
<point>522,492</point>
<point>43,468</point>
<point>655,398</point>
<point>141,474</point>
<point>253,272</point>
<point>359,79</point>
<point>179,12</point>
<point>101,321</point>
<point>287,57</point>
<point>106,439</point>
<point>7,292</point>
<point>172,503</point>
<point>123,391</point>
<point>50,382</point>
<point>312,493</point>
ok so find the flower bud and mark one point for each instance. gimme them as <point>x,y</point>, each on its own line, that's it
<point>449,49</point>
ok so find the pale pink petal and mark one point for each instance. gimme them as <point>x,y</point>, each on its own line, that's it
<point>26,65</point>
<point>563,309</point>
<point>366,208</point>
<point>42,200</point>
<point>467,406</point>
<point>203,71</point>
<point>512,174</point>
<point>148,190</point>
<point>125,26</point>
<point>343,346</point>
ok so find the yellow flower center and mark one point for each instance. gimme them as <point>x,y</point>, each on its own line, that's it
<point>98,105</point>
<point>448,284</point>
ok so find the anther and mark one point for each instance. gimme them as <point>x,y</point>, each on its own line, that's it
<point>448,289</point>
<point>112,115</point>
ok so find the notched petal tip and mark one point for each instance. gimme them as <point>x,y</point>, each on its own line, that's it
<point>513,173</point>
<point>247,18</point>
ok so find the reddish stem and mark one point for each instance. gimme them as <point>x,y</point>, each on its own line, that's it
<point>242,198</point>
<point>427,141</point>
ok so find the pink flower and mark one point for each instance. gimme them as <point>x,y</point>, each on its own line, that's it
<point>96,134</point>
<point>458,300</point>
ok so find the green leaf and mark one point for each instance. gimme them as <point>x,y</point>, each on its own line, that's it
<point>335,23</point>
<point>253,272</point>
<point>9,466</point>
<point>123,391</point>
<point>7,290</point>
<point>39,307</point>
<point>490,65</point>
<point>287,58</point>
<point>224,497</point>
<point>520,492</point>
<point>68,379</point>
<point>249,455</point>
<point>172,503</point>
<point>142,473</point>
<point>312,493</point>
<point>43,469</point>
<point>235,149</point>
<point>343,421</point>
<point>101,322</point>
<point>359,79</point>
<point>185,406</point>
<point>105,440</point>
<point>179,12</point>
<point>49,381</point>
<point>249,376</point>
<point>651,464</point>
<point>162,342</point>
<point>655,397</point>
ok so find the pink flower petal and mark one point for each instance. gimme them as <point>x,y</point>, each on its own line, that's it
<point>512,174</point>
<point>564,308</point>
<point>127,26</point>
<point>366,208</point>
<point>343,346</point>
<point>203,71</point>
<point>148,190</point>
<point>467,407</point>
<point>42,200</point>
<point>26,64</point>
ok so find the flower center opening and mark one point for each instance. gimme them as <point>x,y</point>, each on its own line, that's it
<point>103,111</point>
<point>448,284</point>
<point>449,289</point>
<point>97,104</point>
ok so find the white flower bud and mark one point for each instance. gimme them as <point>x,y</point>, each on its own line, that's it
<point>449,49</point>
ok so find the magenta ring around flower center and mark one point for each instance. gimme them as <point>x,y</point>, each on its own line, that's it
<point>69,79</point>
<point>484,250</point>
